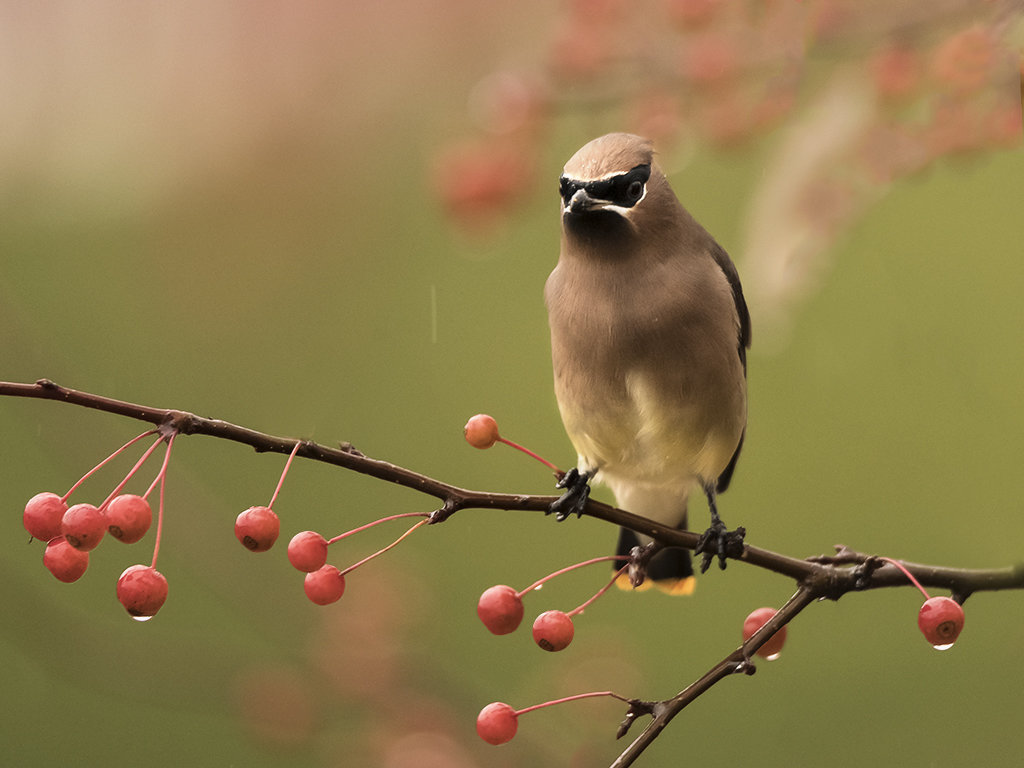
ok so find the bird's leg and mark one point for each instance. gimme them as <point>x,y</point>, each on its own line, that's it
<point>717,539</point>
<point>577,491</point>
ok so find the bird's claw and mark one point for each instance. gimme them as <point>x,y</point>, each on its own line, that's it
<point>721,542</point>
<point>574,500</point>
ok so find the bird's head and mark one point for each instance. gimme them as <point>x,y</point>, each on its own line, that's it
<point>612,186</point>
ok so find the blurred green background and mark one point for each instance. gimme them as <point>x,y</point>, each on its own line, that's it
<point>228,209</point>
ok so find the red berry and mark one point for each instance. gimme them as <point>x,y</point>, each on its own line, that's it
<point>128,517</point>
<point>307,551</point>
<point>481,431</point>
<point>478,182</point>
<point>83,525</point>
<point>940,620</point>
<point>754,622</point>
<point>967,60</point>
<point>553,630</point>
<point>895,70</point>
<point>497,723</point>
<point>43,514</point>
<point>500,609</point>
<point>578,52</point>
<point>257,528</point>
<point>64,561</point>
<point>142,590</point>
<point>324,585</point>
<point>710,59</point>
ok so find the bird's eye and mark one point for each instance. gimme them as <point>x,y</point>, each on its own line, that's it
<point>628,189</point>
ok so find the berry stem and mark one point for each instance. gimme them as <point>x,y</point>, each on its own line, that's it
<point>576,697</point>
<point>394,543</point>
<point>582,607</point>
<point>162,476</point>
<point>568,568</point>
<point>109,458</point>
<point>530,453</point>
<point>284,473</point>
<point>909,575</point>
<point>131,472</point>
<point>341,536</point>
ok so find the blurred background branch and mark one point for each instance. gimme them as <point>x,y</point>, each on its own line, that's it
<point>852,96</point>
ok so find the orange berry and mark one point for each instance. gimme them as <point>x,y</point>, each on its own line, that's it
<point>497,723</point>
<point>481,431</point>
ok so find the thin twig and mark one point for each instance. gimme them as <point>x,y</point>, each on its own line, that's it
<point>737,661</point>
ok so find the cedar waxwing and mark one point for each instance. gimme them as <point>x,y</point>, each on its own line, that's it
<point>649,332</point>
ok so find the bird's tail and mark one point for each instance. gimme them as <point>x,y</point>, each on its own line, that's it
<point>670,570</point>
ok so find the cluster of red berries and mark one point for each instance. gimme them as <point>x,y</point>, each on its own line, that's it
<point>257,528</point>
<point>71,533</point>
<point>500,608</point>
<point>498,722</point>
<point>325,583</point>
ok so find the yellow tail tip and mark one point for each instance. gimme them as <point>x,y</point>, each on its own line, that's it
<point>673,587</point>
<point>622,582</point>
<point>677,587</point>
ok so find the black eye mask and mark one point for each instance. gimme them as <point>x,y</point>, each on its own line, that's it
<point>624,190</point>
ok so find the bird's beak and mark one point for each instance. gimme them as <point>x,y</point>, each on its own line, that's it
<point>581,202</point>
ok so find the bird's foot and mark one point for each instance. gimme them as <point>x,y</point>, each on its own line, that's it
<point>577,491</point>
<point>719,540</point>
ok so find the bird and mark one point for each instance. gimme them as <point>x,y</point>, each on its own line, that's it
<point>649,338</point>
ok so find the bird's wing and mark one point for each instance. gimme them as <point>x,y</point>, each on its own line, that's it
<point>732,276</point>
<point>743,343</point>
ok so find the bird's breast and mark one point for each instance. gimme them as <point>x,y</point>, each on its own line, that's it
<point>646,389</point>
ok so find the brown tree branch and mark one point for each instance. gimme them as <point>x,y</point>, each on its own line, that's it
<point>825,576</point>
<point>453,498</point>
